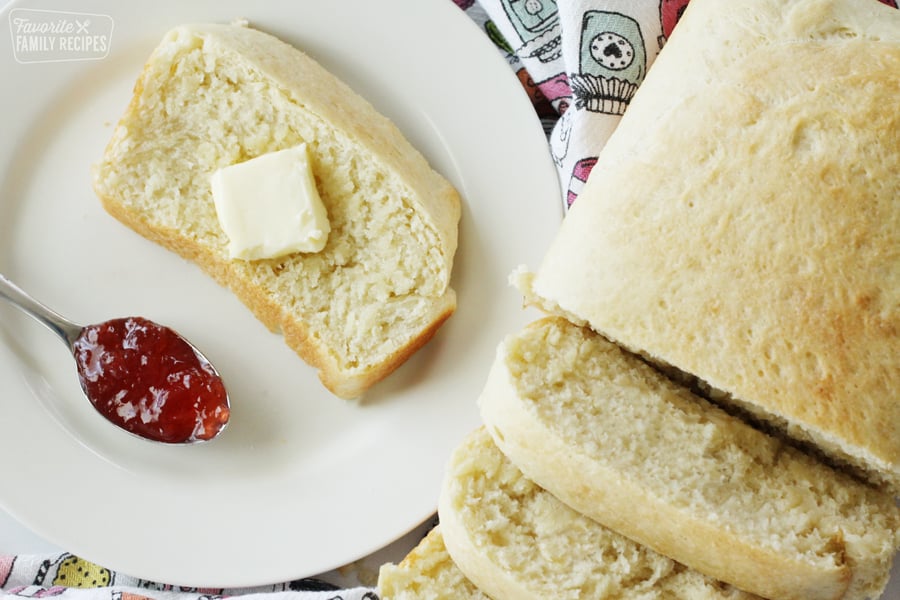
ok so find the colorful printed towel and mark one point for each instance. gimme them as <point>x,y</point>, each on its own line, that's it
<point>583,61</point>
<point>68,576</point>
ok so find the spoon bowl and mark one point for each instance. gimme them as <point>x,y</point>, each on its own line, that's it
<point>141,376</point>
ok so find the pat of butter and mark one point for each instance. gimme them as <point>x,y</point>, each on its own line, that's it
<point>268,206</point>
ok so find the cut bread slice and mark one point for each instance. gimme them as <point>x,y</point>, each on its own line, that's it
<point>515,540</point>
<point>615,440</point>
<point>211,96</point>
<point>743,222</point>
<point>426,573</point>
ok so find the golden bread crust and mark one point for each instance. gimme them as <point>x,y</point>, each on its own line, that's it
<point>743,223</point>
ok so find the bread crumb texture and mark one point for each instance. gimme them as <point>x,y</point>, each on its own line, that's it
<point>213,96</point>
<point>545,548</point>
<point>426,573</point>
<point>619,413</point>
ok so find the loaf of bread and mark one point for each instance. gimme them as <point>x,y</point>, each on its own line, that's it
<point>516,541</point>
<point>743,222</point>
<point>211,96</point>
<point>426,573</point>
<point>617,441</point>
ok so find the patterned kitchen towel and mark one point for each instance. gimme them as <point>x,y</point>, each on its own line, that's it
<point>587,58</point>
<point>66,576</point>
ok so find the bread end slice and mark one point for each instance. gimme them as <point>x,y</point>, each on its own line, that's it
<point>426,573</point>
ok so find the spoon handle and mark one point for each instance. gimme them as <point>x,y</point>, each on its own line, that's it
<point>61,326</point>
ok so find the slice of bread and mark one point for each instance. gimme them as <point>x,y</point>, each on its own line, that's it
<point>426,573</point>
<point>743,222</point>
<point>617,441</point>
<point>515,540</point>
<point>215,95</point>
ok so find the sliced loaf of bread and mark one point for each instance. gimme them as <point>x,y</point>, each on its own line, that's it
<point>211,96</point>
<point>516,541</point>
<point>426,573</point>
<point>743,222</point>
<point>615,440</point>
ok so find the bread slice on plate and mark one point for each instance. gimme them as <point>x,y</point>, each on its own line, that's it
<point>743,222</point>
<point>211,96</point>
<point>614,439</point>
<point>426,573</point>
<point>515,540</point>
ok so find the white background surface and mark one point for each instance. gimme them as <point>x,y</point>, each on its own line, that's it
<point>15,538</point>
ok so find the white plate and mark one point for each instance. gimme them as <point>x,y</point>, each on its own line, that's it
<point>300,482</point>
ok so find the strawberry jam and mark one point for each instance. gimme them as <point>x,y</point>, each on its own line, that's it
<point>148,380</point>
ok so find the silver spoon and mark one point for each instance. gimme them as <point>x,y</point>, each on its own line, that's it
<point>141,376</point>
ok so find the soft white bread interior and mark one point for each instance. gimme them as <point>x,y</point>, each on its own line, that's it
<point>515,540</point>
<point>215,95</point>
<point>617,441</point>
<point>743,222</point>
<point>426,573</point>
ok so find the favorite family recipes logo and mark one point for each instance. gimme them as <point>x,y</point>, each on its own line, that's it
<point>55,36</point>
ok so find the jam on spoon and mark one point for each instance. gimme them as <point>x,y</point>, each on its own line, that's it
<point>141,376</point>
<point>148,380</point>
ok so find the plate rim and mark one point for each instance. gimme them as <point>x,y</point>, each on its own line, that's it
<point>508,87</point>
